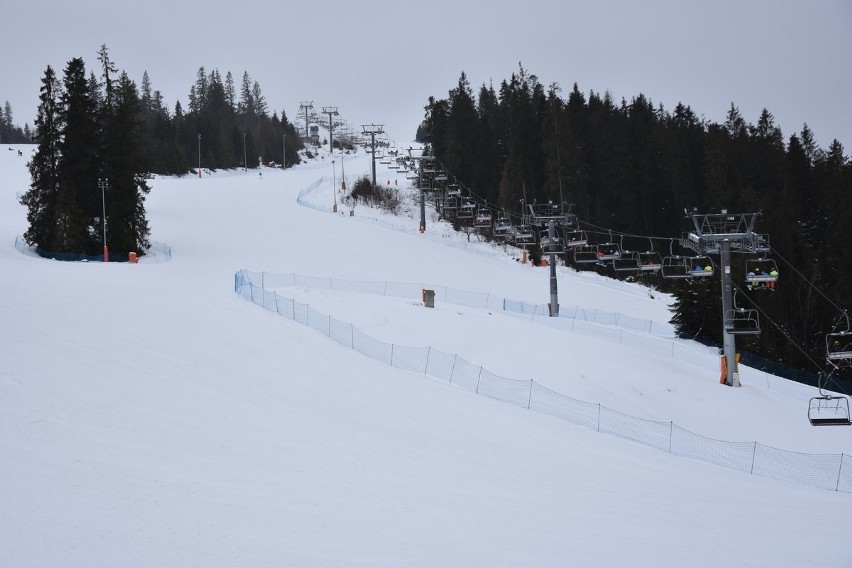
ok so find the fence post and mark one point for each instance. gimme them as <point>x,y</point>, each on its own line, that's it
<point>529,400</point>
<point>479,378</point>
<point>391,354</point>
<point>753,452</point>
<point>671,429</point>
<point>839,471</point>
<point>428,352</point>
<point>275,295</point>
<point>599,417</point>
<point>453,369</point>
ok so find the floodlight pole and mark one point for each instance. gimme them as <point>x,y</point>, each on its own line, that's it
<point>284,151</point>
<point>245,155</point>
<point>199,155</point>
<point>103,184</point>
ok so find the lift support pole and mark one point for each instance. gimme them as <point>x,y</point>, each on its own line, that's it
<point>728,339</point>
<point>554,293</point>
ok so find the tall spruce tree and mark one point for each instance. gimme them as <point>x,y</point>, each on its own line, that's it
<point>41,197</point>
<point>79,216</point>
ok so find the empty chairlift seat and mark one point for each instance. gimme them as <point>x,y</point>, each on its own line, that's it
<point>742,321</point>
<point>828,410</point>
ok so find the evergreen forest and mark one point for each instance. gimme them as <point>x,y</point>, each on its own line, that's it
<point>99,137</point>
<point>633,170</point>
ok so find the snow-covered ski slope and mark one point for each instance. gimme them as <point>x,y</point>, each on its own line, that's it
<point>149,416</point>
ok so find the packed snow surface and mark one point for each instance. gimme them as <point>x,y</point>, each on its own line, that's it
<point>150,416</point>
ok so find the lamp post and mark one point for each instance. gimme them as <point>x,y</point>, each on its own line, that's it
<point>103,184</point>
<point>334,187</point>
<point>342,173</point>
<point>245,156</point>
<point>199,155</point>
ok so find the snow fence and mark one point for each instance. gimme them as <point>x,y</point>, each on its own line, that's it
<point>827,471</point>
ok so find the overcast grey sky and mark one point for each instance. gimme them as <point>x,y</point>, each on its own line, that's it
<point>378,61</point>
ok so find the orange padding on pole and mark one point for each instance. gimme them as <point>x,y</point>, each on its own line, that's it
<point>724,378</point>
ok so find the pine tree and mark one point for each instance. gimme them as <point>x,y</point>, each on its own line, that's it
<point>41,197</point>
<point>124,164</point>
<point>79,210</point>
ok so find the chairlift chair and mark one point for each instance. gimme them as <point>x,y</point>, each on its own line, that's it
<point>575,238</point>
<point>628,261</point>
<point>828,410</point>
<point>503,225</point>
<point>550,245</point>
<point>608,251</point>
<point>838,346</point>
<point>650,261</point>
<point>586,254</point>
<point>761,273</point>
<point>523,236</point>
<point>676,267</point>
<point>483,218</point>
<point>700,266</point>
<point>741,321</point>
<point>467,208</point>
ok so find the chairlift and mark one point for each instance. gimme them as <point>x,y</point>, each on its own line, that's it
<point>700,266</point>
<point>550,245</point>
<point>676,267</point>
<point>741,321</point>
<point>575,238</point>
<point>650,261</point>
<point>483,218</point>
<point>503,225</point>
<point>838,345</point>
<point>761,273</point>
<point>586,254</point>
<point>467,208</point>
<point>451,202</point>
<point>523,237</point>
<point>828,410</point>
<point>608,251</point>
<point>628,261</point>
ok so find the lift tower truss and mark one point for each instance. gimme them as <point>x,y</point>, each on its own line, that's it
<point>372,130</point>
<point>725,233</point>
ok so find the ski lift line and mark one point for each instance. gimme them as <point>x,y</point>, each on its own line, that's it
<point>803,277</point>
<point>603,230</point>
<point>795,344</point>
